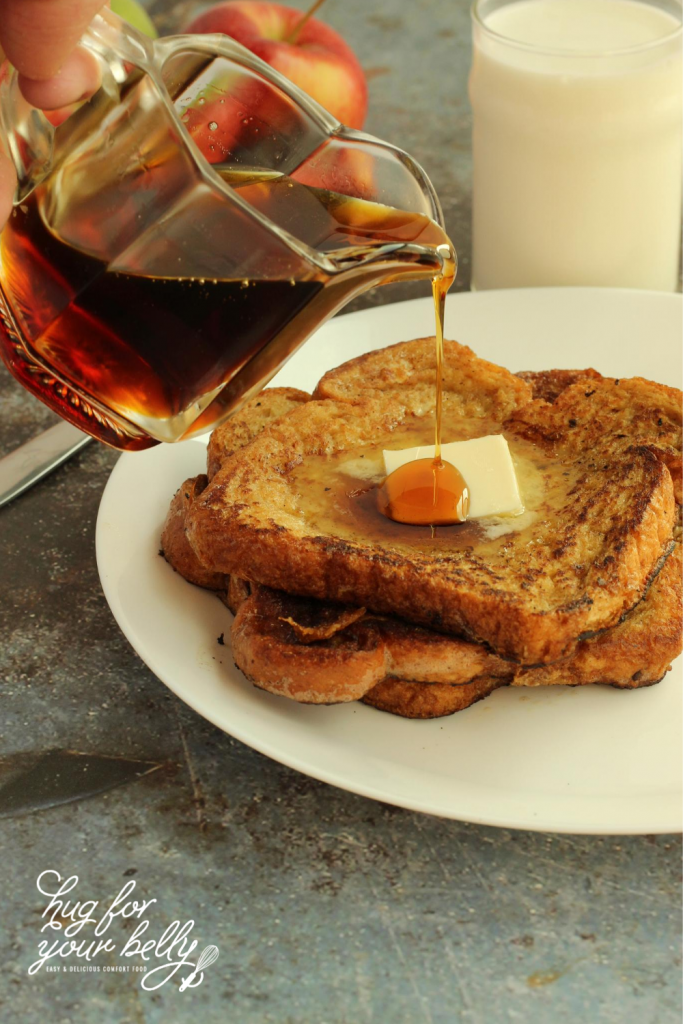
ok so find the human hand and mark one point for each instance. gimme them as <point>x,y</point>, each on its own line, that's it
<point>39,37</point>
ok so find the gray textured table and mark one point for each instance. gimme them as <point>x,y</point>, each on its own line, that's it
<point>326,907</point>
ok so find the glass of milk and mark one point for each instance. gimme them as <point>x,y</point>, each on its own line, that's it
<point>576,143</point>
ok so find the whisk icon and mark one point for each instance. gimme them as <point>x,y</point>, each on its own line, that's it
<point>209,955</point>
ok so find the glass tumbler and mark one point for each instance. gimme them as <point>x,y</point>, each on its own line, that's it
<point>576,143</point>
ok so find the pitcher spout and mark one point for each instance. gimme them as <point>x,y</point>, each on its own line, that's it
<point>375,264</point>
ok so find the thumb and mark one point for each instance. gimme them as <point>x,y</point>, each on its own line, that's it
<point>38,35</point>
<point>8,181</point>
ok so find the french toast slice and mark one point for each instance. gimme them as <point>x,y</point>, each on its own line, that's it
<point>473,389</point>
<point>638,412</point>
<point>349,658</point>
<point>349,662</point>
<point>429,700</point>
<point>248,421</point>
<point>175,546</point>
<point>530,594</point>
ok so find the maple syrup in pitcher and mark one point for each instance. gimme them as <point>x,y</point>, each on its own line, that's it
<point>182,232</point>
<point>144,347</point>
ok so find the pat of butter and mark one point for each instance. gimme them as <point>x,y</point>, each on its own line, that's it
<point>486,466</point>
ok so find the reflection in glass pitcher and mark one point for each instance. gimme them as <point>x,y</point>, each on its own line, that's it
<point>182,233</point>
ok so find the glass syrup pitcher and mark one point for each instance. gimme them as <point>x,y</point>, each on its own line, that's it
<point>178,237</point>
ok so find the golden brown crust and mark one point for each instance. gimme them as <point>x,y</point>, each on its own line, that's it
<point>590,563</point>
<point>428,700</point>
<point>236,594</point>
<point>225,440</point>
<point>638,413</point>
<point>549,384</point>
<point>637,652</point>
<point>267,650</point>
<point>248,421</point>
<point>405,373</point>
<point>321,621</point>
<point>174,544</point>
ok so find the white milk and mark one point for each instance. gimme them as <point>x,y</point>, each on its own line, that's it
<point>576,144</point>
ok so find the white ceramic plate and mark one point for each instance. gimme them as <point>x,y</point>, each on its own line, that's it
<point>587,759</point>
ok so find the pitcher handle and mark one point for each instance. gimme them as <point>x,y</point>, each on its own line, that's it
<point>27,134</point>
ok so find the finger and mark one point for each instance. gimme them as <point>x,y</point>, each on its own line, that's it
<point>38,35</point>
<point>8,181</point>
<point>78,78</point>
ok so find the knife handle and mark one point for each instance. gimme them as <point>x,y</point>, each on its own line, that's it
<point>30,462</point>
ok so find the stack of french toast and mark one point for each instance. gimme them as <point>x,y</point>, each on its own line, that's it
<point>332,602</point>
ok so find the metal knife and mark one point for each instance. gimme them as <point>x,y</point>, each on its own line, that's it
<point>30,462</point>
<point>39,781</point>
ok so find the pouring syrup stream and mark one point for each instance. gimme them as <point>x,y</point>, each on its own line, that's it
<point>429,492</point>
<point>440,286</point>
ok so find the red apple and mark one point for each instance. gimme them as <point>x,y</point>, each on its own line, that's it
<point>348,171</point>
<point>316,58</point>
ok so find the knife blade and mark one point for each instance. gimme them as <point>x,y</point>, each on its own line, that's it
<point>62,776</point>
<point>32,461</point>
